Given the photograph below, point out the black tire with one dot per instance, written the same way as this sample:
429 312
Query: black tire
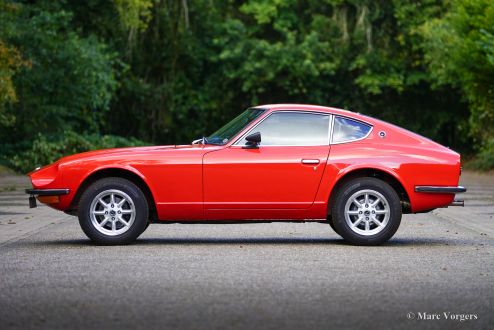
331 223
387 211
146 227
134 202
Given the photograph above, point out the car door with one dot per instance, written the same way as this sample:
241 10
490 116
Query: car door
283 173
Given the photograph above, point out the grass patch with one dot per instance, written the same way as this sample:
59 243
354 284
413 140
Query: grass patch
484 160
5 171
8 188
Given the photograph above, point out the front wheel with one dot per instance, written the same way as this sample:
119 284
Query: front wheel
113 211
366 211
331 223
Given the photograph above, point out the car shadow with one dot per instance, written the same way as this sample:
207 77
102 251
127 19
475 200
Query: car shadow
240 240
396 242
393 243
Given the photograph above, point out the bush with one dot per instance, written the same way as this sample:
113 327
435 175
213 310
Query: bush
47 149
484 160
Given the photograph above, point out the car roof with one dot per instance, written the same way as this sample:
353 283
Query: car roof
346 113
319 108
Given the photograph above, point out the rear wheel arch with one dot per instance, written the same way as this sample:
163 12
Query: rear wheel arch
366 211
118 173
372 173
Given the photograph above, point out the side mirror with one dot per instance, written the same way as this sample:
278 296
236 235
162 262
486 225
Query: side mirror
253 141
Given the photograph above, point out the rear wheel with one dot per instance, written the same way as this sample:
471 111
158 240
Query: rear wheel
366 211
113 211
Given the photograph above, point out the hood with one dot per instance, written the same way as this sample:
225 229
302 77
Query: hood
123 152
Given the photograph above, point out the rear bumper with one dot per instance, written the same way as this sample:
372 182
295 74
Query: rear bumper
440 189
48 192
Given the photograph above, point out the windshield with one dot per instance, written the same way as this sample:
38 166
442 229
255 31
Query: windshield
224 134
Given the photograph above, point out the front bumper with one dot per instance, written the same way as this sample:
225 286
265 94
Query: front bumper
440 189
45 192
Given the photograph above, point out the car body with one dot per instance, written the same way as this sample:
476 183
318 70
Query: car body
294 175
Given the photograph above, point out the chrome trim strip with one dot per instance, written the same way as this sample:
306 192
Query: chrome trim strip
331 128
440 189
285 145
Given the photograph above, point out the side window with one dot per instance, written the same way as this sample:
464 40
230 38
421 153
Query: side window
293 129
346 130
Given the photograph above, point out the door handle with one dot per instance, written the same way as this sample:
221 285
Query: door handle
310 161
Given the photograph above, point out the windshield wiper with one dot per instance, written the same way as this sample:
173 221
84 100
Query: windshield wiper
203 141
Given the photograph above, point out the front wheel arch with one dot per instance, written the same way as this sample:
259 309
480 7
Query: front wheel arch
118 173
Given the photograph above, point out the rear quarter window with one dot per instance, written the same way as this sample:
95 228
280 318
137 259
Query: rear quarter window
347 130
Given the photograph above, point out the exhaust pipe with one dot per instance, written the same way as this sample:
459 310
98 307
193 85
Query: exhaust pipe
457 202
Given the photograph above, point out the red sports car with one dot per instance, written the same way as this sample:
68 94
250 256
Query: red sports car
283 162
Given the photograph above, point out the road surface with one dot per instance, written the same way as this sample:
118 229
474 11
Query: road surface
437 272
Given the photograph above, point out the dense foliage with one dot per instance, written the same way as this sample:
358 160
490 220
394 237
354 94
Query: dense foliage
461 54
46 149
169 71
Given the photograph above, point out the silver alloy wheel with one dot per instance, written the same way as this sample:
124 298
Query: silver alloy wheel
112 212
367 212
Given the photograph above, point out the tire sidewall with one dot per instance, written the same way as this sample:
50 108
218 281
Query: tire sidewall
338 211
330 221
138 199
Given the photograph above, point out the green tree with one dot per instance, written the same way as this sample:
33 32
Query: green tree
170 71
11 62
191 65
460 52
362 55
70 82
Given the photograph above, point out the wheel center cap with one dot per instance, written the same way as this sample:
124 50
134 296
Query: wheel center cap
366 212
112 212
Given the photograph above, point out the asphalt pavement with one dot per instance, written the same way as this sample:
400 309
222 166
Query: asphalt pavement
437 272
